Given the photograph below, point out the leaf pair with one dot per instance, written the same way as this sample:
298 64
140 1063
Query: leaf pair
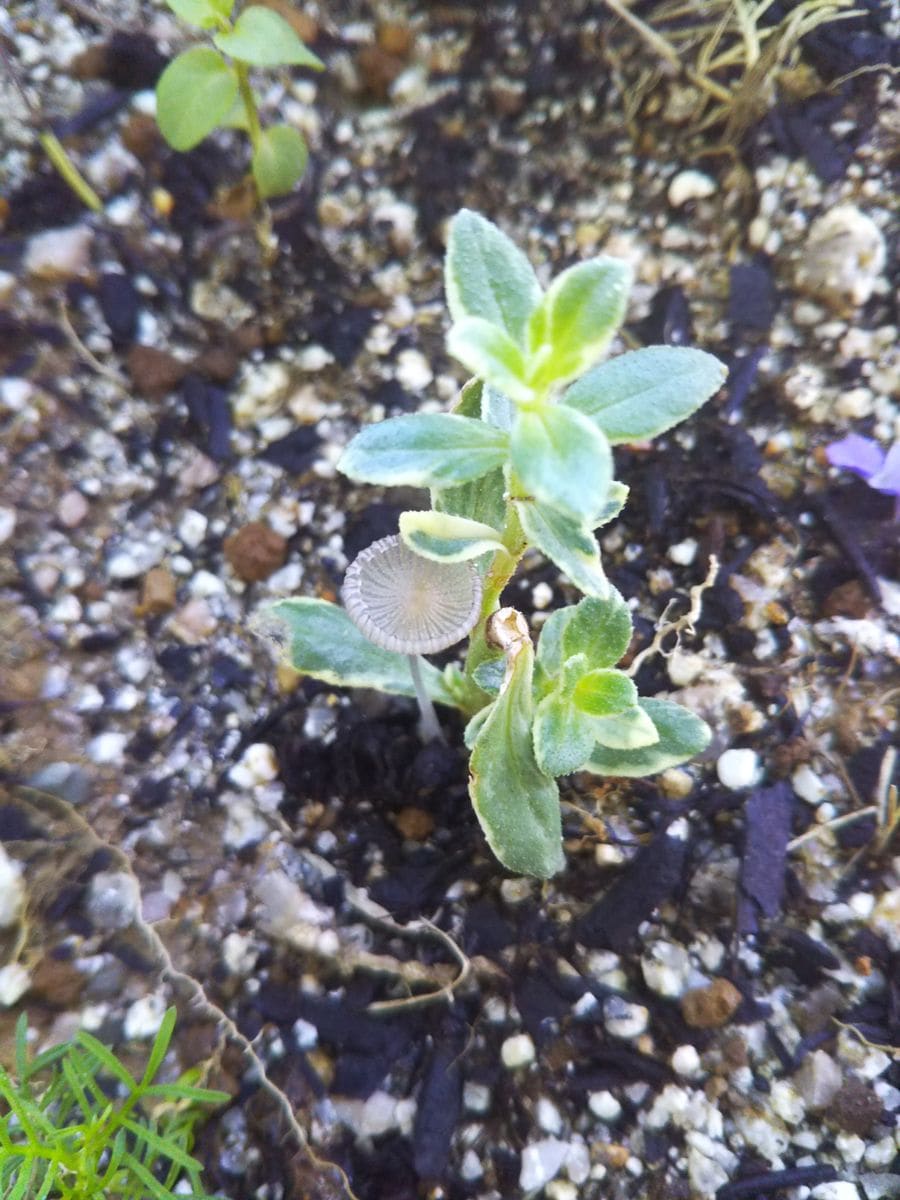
200 91
507 330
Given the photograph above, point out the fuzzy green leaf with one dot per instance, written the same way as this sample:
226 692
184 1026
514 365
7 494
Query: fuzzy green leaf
515 802
194 94
550 643
424 450
604 693
446 538
492 354
487 275
562 462
616 499
490 674
278 160
599 629
628 730
481 499
563 736
498 410
583 308
320 640
681 736
645 392
263 38
567 543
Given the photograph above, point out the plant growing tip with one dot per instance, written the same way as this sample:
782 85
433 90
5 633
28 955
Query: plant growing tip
524 461
413 606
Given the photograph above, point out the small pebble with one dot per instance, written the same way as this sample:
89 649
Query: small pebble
541 1161
14 983
72 509
686 1061
818 1080
690 185
157 592
517 1051
113 900
623 1019
59 254
255 552
711 1007
7 524
12 891
192 528
604 1106
144 1017
107 749
844 255
738 769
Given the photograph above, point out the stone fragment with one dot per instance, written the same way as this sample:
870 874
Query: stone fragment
72 509
855 1108
711 1007
7 524
60 254
818 1080
12 891
154 372
57 983
690 185
194 622
255 552
517 1051
738 768
414 823
157 593
14 983
842 259
114 900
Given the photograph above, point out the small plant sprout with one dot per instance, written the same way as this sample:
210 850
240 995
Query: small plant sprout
78 1125
206 87
410 604
523 462
864 457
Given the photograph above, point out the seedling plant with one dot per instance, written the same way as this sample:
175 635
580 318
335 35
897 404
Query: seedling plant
207 87
76 1125
524 461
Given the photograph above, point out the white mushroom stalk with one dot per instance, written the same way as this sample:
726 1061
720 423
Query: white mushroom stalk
409 604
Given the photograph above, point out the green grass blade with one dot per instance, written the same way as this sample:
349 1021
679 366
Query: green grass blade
48 1181
153 1186
159 1048
22 1046
182 1091
161 1147
106 1057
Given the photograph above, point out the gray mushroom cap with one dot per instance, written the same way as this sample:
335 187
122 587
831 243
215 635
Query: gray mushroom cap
407 603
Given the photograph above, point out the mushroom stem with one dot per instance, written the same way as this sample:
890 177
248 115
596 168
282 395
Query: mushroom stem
429 729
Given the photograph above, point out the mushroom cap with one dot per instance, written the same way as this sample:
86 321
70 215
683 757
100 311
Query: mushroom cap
407 603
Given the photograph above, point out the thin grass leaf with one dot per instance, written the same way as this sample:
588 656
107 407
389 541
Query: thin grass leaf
183 1091
22 1046
46 1059
160 1046
117 1152
23 1183
153 1186
160 1146
106 1057
76 1086
48 1181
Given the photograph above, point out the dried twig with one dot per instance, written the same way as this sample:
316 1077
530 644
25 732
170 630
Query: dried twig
665 628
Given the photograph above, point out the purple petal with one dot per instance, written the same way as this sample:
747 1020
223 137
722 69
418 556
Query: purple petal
855 453
888 478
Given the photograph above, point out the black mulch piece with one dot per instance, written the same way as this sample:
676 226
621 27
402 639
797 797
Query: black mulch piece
295 452
120 305
775 1181
132 61
439 1099
669 320
767 830
653 876
752 298
210 413
101 106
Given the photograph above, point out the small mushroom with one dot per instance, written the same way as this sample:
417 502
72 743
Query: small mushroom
412 605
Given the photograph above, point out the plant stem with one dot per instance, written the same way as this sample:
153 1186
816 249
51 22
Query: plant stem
55 151
254 129
503 567
429 727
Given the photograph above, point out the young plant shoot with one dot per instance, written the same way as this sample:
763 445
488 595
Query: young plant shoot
206 87
523 461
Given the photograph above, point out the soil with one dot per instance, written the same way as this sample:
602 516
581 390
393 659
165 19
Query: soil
706 1002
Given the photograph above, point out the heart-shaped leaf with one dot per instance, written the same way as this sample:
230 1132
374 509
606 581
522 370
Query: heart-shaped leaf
278 160
263 38
194 94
